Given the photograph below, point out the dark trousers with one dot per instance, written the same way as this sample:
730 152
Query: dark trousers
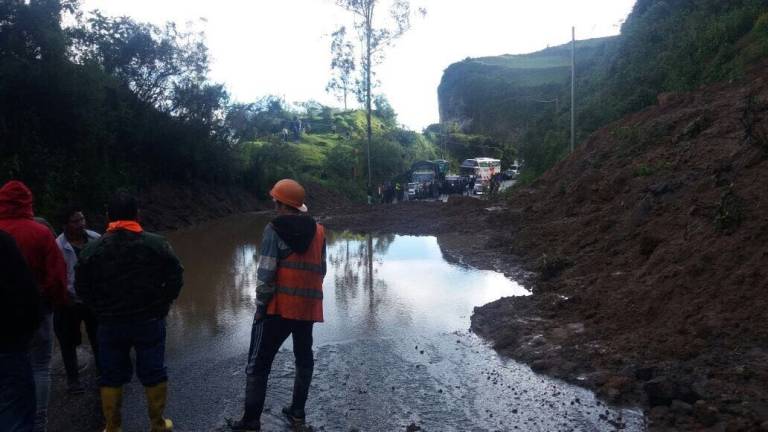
267 336
66 324
17 393
147 338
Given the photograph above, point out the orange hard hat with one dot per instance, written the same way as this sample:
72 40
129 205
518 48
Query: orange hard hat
289 192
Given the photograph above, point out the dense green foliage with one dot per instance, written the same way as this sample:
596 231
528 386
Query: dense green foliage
109 102
664 46
332 151
79 115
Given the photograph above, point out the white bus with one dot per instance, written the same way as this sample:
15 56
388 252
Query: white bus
482 168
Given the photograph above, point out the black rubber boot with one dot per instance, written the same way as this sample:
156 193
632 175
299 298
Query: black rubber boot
293 418
301 382
243 426
255 393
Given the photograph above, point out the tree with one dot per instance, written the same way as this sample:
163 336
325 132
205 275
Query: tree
373 40
384 110
151 60
342 66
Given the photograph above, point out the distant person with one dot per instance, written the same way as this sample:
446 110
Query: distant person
38 246
296 128
289 300
284 134
68 319
19 320
129 278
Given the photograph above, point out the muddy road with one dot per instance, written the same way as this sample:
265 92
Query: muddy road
395 351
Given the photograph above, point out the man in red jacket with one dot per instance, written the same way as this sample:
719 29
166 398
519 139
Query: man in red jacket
46 263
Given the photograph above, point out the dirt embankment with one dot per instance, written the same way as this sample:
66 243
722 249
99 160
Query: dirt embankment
166 207
650 251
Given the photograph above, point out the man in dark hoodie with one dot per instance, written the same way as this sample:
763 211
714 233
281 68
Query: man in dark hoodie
46 263
289 300
19 319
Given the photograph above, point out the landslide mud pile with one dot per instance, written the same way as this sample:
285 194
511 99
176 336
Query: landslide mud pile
173 206
651 247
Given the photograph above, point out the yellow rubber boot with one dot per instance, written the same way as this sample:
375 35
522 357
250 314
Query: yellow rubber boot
156 396
111 403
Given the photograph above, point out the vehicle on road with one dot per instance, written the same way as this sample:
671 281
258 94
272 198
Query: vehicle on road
480 187
453 184
511 173
430 176
413 189
481 168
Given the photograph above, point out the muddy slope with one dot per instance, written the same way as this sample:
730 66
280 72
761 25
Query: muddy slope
649 253
652 247
166 206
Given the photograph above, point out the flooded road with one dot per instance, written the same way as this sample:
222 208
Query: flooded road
394 349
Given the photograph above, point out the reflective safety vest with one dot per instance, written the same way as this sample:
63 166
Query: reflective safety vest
299 283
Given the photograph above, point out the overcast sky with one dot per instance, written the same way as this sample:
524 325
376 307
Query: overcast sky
281 47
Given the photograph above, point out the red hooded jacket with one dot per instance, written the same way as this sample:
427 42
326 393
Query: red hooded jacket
35 241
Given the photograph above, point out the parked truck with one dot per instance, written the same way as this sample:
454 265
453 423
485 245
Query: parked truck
429 176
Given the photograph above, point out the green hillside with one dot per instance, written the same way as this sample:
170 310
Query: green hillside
496 95
664 46
332 151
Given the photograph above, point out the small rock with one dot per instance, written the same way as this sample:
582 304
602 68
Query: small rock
681 407
660 391
645 373
412 428
542 365
705 414
659 413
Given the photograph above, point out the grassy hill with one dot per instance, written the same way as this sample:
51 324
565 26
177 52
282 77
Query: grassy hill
332 153
498 95
665 46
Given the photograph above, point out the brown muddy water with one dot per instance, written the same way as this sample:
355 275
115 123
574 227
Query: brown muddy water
395 349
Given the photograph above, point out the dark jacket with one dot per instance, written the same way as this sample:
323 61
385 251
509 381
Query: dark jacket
19 298
35 241
128 277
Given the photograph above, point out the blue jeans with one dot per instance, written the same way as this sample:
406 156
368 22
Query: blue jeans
40 354
17 393
147 338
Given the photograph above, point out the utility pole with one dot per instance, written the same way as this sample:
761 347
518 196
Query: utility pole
573 87
368 66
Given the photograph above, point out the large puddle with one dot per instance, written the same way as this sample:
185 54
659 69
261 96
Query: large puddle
394 349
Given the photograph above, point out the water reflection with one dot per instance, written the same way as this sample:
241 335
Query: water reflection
219 295
383 285
376 286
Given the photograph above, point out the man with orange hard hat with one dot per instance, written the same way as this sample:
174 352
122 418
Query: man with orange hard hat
289 300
